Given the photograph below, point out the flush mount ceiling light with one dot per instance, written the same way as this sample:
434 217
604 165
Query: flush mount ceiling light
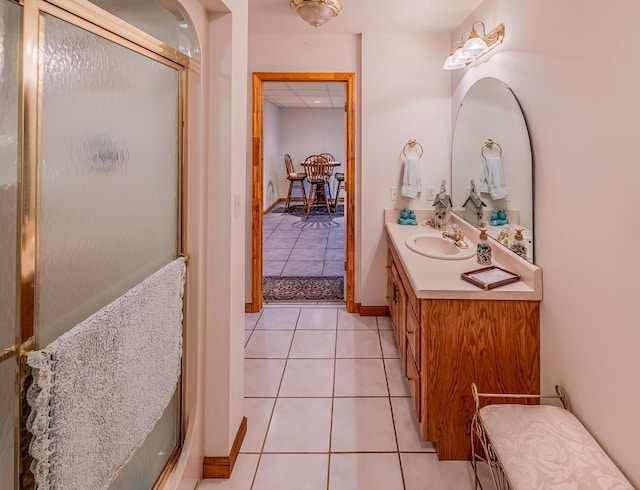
471 46
316 12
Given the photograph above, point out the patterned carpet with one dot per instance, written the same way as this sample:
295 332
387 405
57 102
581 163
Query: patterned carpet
300 288
300 210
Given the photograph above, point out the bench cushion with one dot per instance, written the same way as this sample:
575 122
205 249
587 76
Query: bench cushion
543 447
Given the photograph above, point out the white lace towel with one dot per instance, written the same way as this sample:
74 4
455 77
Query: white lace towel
100 388
411 179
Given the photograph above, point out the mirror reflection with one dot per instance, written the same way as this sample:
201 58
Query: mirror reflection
492 167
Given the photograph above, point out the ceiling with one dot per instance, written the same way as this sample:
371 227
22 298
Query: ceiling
313 95
358 16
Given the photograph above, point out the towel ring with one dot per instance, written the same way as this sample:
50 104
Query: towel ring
488 143
412 143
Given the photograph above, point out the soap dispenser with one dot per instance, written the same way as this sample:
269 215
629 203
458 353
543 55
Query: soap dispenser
518 245
484 249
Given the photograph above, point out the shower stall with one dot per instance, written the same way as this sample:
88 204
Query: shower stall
91 193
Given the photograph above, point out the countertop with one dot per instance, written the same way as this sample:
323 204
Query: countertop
440 279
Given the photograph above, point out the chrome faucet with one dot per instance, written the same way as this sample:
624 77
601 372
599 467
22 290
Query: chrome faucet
456 235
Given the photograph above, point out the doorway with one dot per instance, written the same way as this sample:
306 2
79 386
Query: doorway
258 170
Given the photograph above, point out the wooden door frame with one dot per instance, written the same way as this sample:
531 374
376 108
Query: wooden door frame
257 176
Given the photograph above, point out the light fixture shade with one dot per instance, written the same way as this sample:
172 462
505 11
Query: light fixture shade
316 12
451 64
460 57
474 46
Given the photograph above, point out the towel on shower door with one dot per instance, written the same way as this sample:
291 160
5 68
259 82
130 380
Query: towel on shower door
411 179
100 388
492 181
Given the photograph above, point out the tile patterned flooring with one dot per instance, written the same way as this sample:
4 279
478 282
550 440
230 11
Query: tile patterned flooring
295 246
328 408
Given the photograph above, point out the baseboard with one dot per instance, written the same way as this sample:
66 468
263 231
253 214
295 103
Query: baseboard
374 310
270 208
221 467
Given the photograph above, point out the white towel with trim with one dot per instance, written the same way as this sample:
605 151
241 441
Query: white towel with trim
99 389
411 179
492 181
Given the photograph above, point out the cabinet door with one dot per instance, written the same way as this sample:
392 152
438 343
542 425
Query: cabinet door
401 316
413 377
413 335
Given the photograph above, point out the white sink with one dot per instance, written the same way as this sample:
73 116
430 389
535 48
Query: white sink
438 247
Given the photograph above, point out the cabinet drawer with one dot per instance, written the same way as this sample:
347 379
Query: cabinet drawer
413 334
413 378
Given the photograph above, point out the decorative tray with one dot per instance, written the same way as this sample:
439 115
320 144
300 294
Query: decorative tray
490 277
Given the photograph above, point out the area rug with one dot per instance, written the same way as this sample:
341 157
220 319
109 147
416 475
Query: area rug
300 288
302 211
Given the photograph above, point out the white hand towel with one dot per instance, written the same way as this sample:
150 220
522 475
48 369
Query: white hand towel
411 179
497 189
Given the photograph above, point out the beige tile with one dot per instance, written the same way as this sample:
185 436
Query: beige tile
318 319
396 378
250 320
349 321
389 344
407 426
360 377
362 424
308 378
358 344
277 318
268 344
241 477
258 413
425 472
365 472
292 472
384 323
313 344
300 425
262 377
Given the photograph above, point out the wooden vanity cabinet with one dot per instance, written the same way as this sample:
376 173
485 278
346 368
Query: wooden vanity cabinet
451 343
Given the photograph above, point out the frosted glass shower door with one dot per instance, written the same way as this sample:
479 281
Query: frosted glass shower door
108 191
10 22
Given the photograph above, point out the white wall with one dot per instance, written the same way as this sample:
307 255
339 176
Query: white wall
405 94
214 370
581 107
300 132
273 170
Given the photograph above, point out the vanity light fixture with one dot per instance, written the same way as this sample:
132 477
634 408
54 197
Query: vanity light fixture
316 12
468 50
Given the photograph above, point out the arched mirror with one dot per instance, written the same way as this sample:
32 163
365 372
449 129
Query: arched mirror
491 148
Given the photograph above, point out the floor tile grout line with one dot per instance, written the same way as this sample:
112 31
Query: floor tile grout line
393 419
333 398
273 409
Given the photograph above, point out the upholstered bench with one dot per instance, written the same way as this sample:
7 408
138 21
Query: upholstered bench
539 447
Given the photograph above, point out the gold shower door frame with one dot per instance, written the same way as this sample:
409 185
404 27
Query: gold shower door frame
97 21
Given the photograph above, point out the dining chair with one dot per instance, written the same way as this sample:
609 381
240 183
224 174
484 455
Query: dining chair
315 168
340 178
293 177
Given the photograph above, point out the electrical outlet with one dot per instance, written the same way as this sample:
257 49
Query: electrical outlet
431 193
394 193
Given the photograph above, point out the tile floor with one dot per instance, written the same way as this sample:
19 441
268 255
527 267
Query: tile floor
295 246
328 408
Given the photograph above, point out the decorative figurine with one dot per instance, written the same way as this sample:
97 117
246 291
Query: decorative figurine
473 206
442 205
